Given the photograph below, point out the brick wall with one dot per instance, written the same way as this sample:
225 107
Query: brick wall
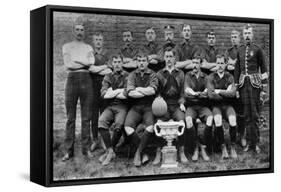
112 27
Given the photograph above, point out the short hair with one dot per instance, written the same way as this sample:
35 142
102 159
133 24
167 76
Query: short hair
218 56
115 56
185 25
198 56
141 54
210 33
169 49
127 30
152 28
77 23
235 32
98 34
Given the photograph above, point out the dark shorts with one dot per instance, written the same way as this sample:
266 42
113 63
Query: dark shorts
198 111
224 110
139 113
174 113
114 113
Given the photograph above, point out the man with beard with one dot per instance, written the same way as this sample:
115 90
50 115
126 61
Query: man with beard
232 58
99 69
169 42
141 87
221 88
129 52
171 88
151 48
195 87
78 57
114 92
209 53
186 50
251 79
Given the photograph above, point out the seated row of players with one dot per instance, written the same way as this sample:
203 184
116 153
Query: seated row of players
187 97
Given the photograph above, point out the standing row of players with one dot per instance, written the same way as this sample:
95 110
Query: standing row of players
192 80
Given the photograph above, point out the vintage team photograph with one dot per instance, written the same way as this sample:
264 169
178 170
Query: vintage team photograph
147 96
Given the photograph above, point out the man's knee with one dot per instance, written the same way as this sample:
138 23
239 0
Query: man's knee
129 130
232 120
218 120
189 122
209 121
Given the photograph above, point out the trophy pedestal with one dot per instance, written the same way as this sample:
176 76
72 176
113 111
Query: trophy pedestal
169 157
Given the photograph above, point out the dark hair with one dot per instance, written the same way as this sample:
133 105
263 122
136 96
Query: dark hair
127 30
168 49
222 56
141 54
115 56
152 28
210 33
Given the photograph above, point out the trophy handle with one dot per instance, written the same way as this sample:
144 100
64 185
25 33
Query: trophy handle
182 130
156 131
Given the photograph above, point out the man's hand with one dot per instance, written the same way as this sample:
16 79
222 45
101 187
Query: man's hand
217 91
237 95
263 96
202 94
182 107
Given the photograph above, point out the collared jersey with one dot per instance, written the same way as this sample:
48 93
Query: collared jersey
186 51
151 48
146 79
171 85
197 84
115 80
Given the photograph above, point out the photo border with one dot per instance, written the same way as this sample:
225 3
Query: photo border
50 9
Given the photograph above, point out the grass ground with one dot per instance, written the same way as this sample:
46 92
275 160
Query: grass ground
80 168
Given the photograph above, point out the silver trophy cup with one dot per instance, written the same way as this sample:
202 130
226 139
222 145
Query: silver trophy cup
169 131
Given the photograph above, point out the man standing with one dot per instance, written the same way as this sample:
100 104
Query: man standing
78 57
169 42
232 51
209 53
251 79
151 48
195 87
232 58
99 69
129 52
141 87
114 92
186 50
171 88
221 88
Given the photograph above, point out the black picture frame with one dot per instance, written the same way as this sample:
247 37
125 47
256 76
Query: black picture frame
41 94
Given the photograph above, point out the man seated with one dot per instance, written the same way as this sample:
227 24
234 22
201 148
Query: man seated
114 92
221 88
195 87
171 83
141 87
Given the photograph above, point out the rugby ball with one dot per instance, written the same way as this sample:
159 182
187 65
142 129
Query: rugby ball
159 107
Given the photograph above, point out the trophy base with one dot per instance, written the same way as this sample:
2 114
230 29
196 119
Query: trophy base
169 157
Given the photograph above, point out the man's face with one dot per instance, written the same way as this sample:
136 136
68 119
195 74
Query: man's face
169 36
186 32
221 64
197 64
117 63
248 35
142 62
169 58
78 32
127 37
98 41
150 35
235 39
211 40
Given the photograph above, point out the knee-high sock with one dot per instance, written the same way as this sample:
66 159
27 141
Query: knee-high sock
117 133
232 132
106 137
